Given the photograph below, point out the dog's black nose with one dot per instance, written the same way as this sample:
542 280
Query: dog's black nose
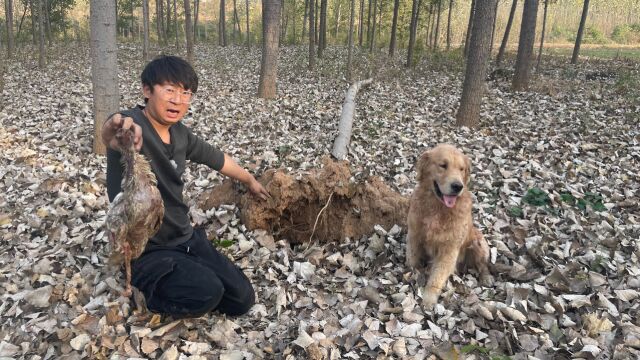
456 187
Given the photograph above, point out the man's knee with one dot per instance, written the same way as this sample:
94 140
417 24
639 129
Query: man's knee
245 299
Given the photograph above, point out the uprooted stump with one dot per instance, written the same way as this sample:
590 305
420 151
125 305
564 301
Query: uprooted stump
321 204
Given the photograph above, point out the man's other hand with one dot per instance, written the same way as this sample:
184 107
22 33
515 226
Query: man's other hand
115 122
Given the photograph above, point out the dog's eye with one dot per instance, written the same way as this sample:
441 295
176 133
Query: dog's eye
444 166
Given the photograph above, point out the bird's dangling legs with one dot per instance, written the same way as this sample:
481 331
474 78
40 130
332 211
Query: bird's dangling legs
126 249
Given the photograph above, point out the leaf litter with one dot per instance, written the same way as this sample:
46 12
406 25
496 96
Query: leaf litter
555 176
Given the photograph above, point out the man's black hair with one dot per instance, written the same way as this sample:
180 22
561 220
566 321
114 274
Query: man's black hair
169 69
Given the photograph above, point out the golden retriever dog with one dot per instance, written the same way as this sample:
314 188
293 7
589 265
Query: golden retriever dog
440 226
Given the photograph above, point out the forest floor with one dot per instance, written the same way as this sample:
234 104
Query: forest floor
555 180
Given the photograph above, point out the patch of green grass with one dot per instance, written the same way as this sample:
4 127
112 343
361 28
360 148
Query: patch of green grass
591 200
537 197
222 243
601 52
465 349
515 211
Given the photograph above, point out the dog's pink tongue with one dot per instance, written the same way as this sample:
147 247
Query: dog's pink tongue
449 201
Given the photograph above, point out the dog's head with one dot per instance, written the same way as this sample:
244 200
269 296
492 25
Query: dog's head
446 171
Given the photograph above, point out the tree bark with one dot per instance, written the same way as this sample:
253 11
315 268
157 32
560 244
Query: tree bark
248 32
477 61
369 22
33 22
437 35
493 28
175 23
188 30
47 21
412 31
337 20
8 8
361 23
145 30
449 25
42 52
469 28
525 46
323 28
270 35
304 20
167 29
236 23
544 28
104 66
349 54
345 125
312 36
394 25
505 38
222 28
583 20
196 15
373 30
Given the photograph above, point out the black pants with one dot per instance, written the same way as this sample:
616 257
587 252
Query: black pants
191 279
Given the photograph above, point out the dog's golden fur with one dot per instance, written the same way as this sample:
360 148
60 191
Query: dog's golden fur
440 226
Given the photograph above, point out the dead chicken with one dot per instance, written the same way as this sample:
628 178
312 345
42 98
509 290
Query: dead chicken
136 213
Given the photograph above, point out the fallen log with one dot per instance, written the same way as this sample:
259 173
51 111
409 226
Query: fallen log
346 120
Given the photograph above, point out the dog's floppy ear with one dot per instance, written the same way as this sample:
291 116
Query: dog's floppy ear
467 169
423 165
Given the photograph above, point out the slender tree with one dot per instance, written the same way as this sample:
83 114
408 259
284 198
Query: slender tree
412 31
361 23
493 27
507 30
104 66
449 25
323 28
477 62
270 32
312 36
336 23
168 27
369 22
351 23
175 23
42 53
469 27
196 16
222 28
145 30
188 30
583 20
437 35
373 30
248 33
304 20
544 28
8 8
525 45
394 25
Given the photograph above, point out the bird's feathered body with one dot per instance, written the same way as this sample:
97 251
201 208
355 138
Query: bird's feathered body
136 213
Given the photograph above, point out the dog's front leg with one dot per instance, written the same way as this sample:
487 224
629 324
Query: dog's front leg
442 268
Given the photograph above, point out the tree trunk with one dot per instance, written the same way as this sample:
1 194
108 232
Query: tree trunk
505 38
270 34
583 20
295 20
248 32
373 30
47 21
175 23
361 22
236 19
188 30
428 26
477 62
315 24
435 39
469 28
525 45
33 22
544 27
222 25
449 25
168 27
369 22
349 53
304 20
159 21
312 36
322 43
8 8
42 52
412 31
104 66
337 20
341 142
196 15
145 30
394 25
493 28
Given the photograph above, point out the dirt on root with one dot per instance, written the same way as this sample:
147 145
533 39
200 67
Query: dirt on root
320 204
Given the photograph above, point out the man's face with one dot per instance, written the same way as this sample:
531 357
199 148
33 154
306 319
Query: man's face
168 103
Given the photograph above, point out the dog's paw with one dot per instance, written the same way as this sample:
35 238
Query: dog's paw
429 300
487 280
